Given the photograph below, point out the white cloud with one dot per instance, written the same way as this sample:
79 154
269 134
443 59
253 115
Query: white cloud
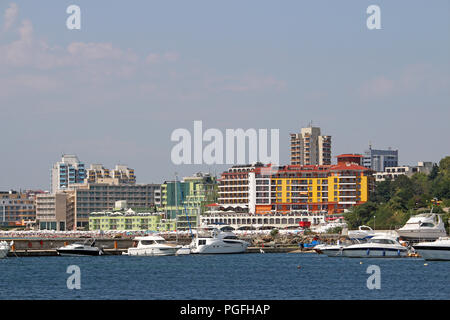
10 16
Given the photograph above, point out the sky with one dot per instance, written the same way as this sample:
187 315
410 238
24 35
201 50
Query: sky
115 90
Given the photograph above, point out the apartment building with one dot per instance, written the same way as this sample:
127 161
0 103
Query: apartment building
121 174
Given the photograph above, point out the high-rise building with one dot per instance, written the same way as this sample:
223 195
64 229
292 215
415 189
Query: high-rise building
261 189
67 172
378 160
309 147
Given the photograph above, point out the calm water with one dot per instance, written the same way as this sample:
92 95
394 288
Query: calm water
244 276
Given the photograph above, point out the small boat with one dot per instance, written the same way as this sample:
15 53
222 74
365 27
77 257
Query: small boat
152 246
436 250
86 248
218 242
5 248
379 246
331 250
428 226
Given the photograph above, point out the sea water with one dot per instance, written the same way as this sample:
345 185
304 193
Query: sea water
238 276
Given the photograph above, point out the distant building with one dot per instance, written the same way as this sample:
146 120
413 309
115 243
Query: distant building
121 174
378 160
16 208
309 147
393 172
185 200
67 172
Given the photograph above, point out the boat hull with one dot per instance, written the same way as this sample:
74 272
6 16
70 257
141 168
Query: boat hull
221 248
73 252
434 252
151 252
421 235
373 252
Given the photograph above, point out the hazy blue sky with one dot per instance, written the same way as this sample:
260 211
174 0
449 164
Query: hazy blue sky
116 89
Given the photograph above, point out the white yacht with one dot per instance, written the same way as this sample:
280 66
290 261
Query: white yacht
379 246
427 226
218 242
436 250
363 233
86 248
5 248
152 246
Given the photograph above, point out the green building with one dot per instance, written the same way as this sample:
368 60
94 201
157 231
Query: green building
185 200
136 220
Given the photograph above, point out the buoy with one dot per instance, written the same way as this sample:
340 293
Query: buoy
360 262
299 266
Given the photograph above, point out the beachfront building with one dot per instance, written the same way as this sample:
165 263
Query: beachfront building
121 174
266 189
309 147
55 211
16 208
393 172
185 200
66 173
378 160
102 197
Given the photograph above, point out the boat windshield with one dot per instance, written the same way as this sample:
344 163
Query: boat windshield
382 241
148 242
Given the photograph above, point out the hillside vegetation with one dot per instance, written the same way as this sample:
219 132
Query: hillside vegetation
393 202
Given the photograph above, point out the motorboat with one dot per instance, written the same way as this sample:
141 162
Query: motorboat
5 248
379 246
363 233
218 242
435 250
86 248
152 246
331 250
427 226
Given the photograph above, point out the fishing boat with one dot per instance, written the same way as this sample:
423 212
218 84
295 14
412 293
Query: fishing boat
5 248
152 246
436 250
379 246
86 248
